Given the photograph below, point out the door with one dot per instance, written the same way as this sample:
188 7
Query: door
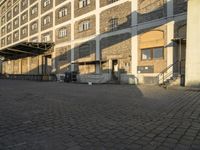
115 70
47 65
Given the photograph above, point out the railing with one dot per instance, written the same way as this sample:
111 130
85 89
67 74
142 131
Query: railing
166 73
28 77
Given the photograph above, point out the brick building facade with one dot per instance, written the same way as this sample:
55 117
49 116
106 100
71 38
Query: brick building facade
126 40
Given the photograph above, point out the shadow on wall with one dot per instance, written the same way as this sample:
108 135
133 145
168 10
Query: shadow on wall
85 53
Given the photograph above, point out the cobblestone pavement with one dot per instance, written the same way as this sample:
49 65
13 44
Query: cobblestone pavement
59 116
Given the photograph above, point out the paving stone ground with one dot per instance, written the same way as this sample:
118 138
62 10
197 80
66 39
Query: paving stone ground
60 116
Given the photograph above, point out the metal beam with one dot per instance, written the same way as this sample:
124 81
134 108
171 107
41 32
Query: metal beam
8 53
30 46
16 50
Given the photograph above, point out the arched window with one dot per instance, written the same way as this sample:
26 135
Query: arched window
9 3
47 20
24 31
112 1
24 2
62 12
46 3
3 19
62 33
34 10
3 9
16 8
83 26
34 26
83 3
16 35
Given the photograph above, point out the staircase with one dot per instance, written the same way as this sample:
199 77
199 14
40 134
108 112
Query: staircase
175 80
168 77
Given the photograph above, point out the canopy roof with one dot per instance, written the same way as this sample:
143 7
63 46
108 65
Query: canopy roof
25 49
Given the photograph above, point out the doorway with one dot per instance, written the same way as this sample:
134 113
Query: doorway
47 65
115 70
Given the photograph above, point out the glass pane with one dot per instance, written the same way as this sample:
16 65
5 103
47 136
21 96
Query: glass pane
146 54
158 53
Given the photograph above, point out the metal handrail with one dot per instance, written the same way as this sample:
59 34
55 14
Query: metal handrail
166 69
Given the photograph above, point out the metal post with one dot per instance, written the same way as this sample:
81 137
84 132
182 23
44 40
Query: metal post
163 77
179 59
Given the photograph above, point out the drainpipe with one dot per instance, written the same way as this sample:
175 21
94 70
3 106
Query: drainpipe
179 59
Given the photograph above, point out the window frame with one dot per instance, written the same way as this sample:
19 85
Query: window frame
34 26
152 53
162 53
62 33
112 1
24 16
46 37
34 10
84 3
62 12
46 3
24 31
46 20
84 26
16 35
16 22
9 3
113 23
24 2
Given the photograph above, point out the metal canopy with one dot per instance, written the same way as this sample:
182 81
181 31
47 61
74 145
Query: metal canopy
25 49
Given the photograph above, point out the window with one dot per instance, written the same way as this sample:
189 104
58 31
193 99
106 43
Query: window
85 25
24 16
83 3
3 9
3 31
16 9
153 53
34 26
47 20
24 2
16 22
34 40
158 53
9 3
62 12
16 35
34 10
9 27
112 1
146 54
46 3
24 30
62 33
3 20
3 42
9 38
9 15
113 24
46 38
